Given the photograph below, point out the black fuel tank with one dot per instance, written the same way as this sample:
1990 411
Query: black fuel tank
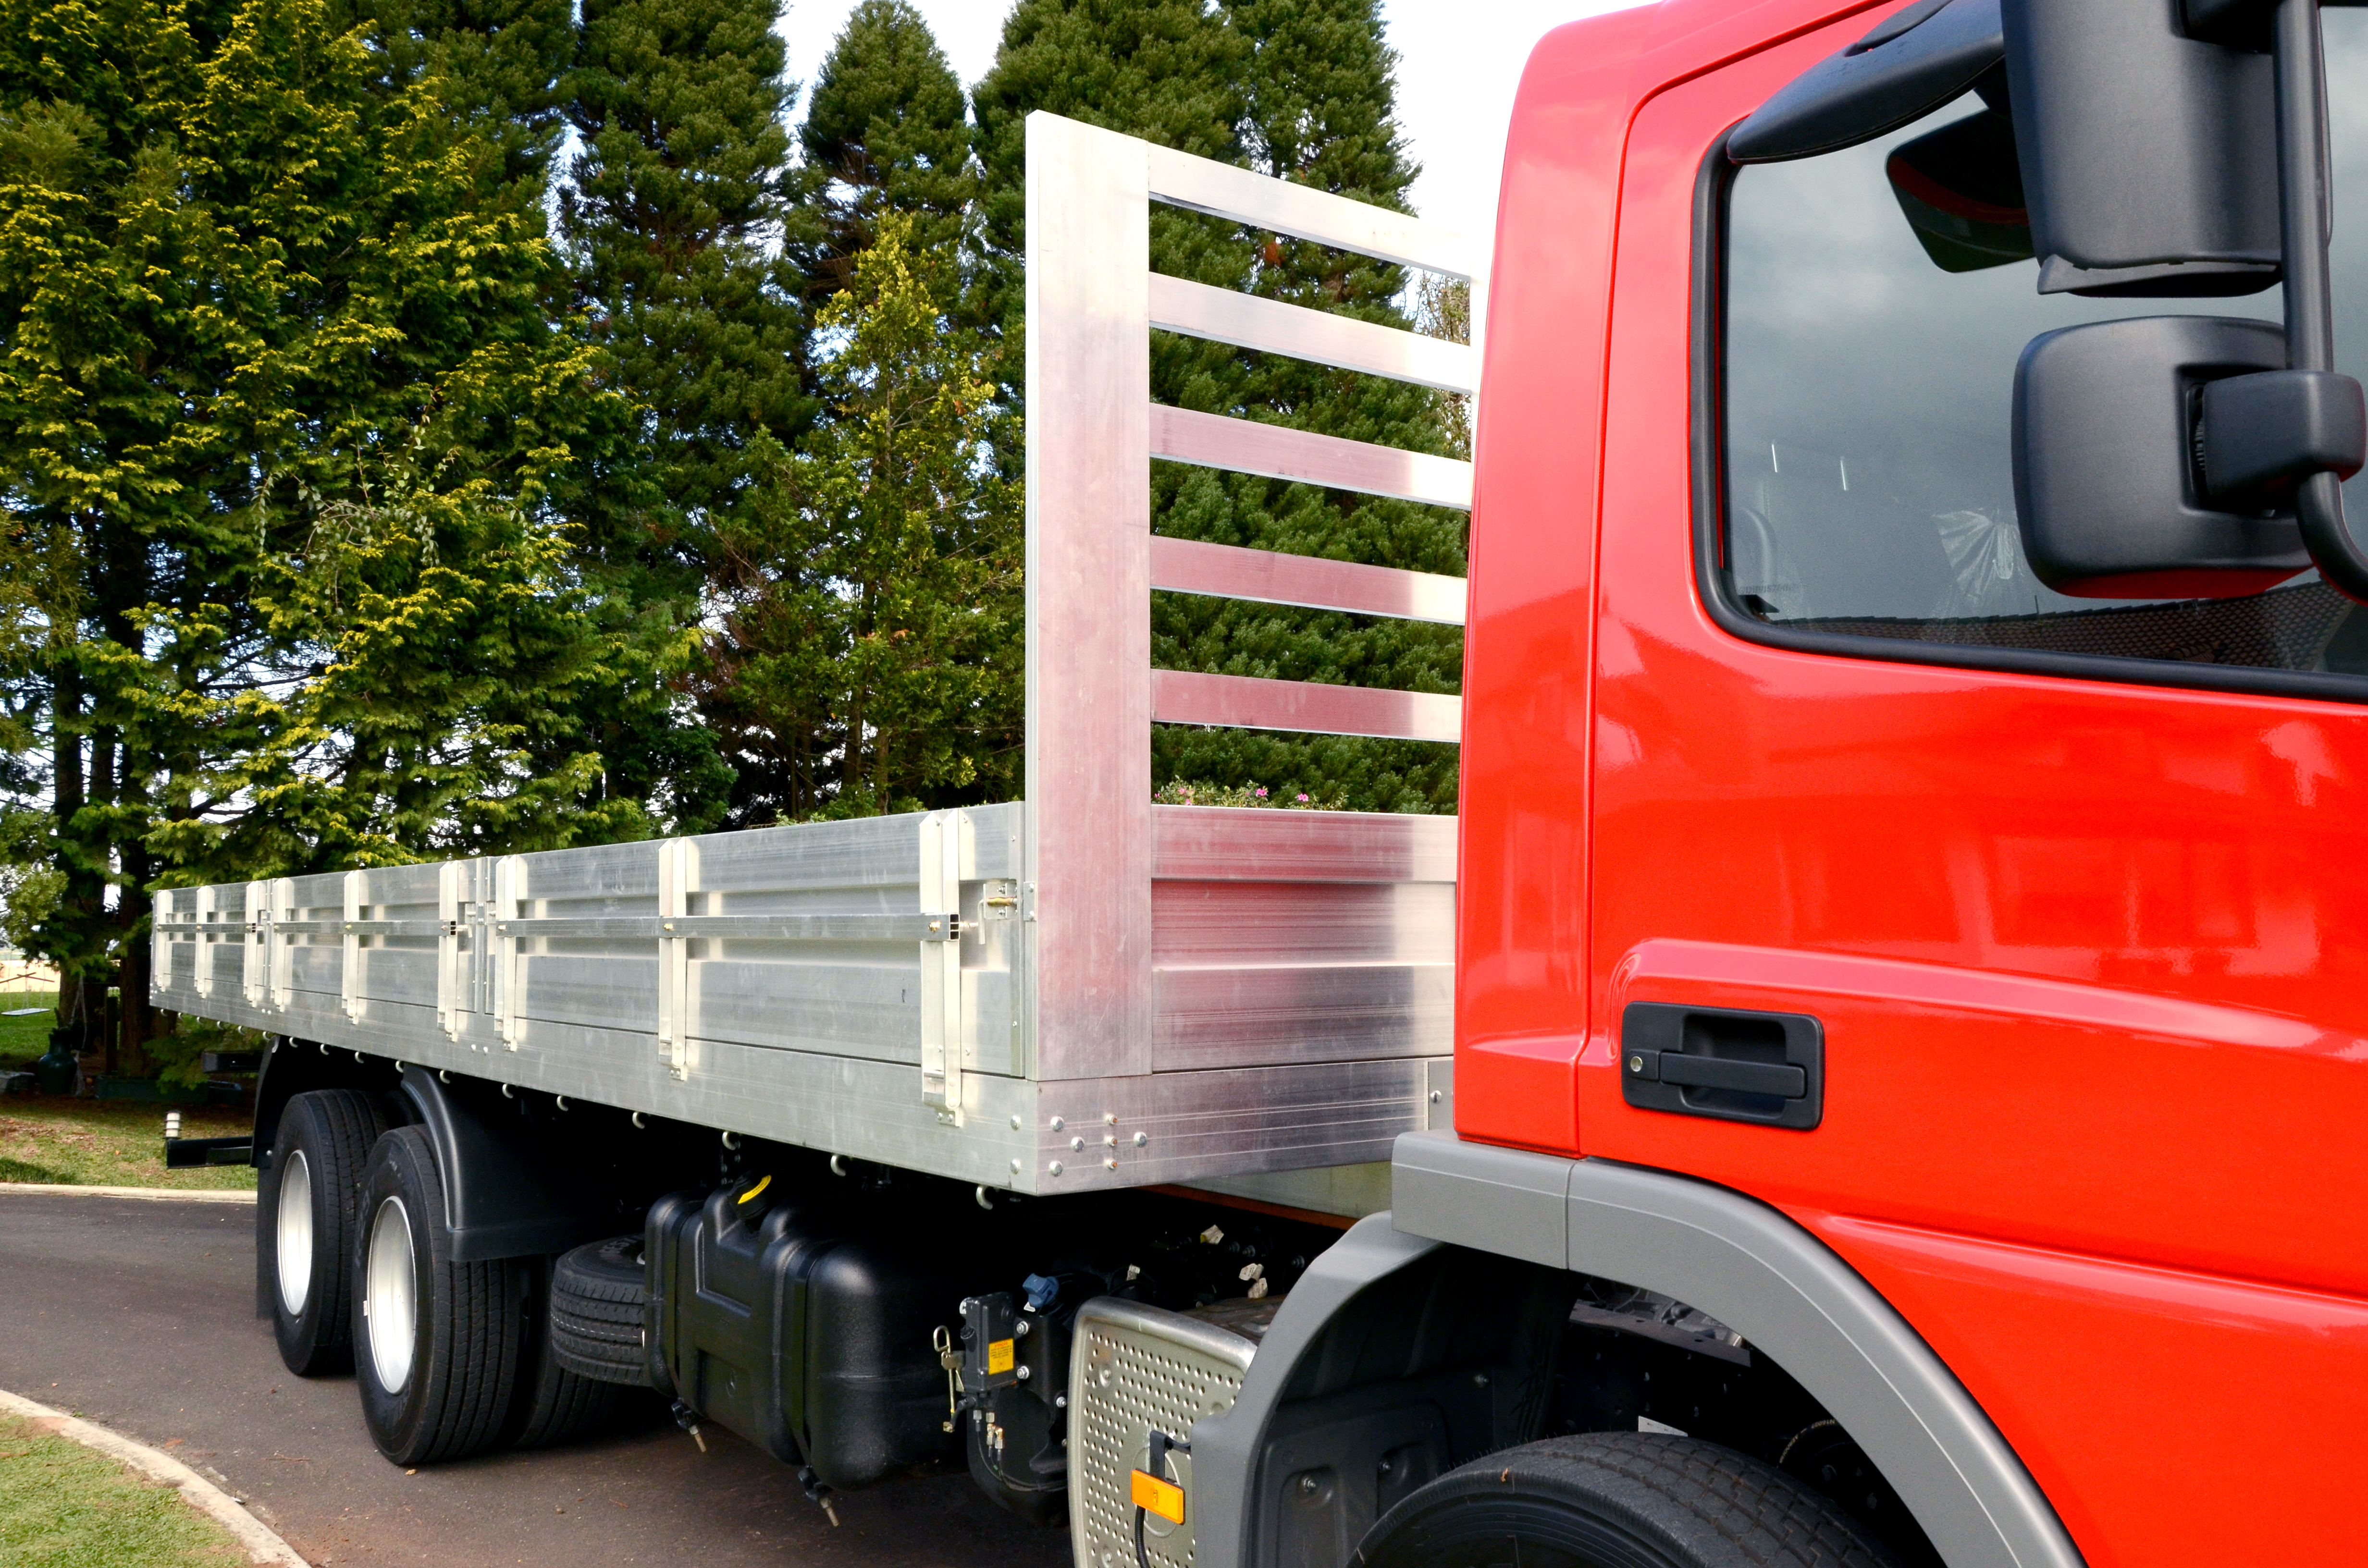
809 1341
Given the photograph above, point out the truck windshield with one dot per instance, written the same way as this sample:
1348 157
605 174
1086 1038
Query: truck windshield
1869 350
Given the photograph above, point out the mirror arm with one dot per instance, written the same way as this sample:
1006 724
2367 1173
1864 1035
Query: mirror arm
2302 208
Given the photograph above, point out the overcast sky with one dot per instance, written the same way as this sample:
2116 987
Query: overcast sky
1459 61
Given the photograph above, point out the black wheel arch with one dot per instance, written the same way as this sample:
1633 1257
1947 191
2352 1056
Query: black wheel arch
291 1067
512 1186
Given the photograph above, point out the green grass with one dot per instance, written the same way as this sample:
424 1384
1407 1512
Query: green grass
21 1040
63 1506
109 1143
83 1143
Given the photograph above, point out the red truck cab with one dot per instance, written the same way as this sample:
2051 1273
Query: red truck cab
1767 714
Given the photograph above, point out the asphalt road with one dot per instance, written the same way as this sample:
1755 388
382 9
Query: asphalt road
139 1315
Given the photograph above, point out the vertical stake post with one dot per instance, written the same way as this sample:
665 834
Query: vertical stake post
1087 866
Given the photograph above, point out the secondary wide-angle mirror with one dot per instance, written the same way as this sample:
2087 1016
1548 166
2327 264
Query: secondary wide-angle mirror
2113 503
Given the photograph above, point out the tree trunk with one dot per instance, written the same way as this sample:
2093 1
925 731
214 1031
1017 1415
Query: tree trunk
136 1019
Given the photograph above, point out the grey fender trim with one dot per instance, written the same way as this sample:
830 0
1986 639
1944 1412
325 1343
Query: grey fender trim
1225 1446
1785 1291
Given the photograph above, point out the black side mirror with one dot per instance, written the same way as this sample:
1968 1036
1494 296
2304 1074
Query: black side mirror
2149 135
2112 503
2149 156
2159 458
2157 150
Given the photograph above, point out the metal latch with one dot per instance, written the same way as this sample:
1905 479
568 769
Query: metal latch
951 1357
948 856
992 1329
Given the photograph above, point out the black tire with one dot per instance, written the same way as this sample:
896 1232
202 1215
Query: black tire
304 1220
437 1345
599 1300
1619 1500
556 1405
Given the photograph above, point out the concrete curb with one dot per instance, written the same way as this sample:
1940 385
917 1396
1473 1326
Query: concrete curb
156 1194
262 1544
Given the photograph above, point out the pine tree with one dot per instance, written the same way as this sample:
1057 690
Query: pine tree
879 600
1168 71
497 65
245 254
682 230
675 214
886 130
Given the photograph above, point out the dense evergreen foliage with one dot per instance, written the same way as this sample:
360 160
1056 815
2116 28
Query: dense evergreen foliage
887 130
674 215
351 517
875 602
281 389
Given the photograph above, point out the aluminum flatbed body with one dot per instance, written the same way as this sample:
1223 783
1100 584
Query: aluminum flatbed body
1079 990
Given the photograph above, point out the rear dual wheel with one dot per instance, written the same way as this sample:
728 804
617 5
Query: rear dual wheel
557 1403
452 1357
305 1220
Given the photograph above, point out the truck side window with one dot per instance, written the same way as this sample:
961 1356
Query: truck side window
1871 321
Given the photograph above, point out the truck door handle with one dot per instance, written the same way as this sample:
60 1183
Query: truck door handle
1725 1062
1713 1073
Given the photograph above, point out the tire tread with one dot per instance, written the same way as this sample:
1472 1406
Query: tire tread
599 1302
472 1326
1711 1506
338 1129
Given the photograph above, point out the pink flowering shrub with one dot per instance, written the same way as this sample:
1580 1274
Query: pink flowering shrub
1178 793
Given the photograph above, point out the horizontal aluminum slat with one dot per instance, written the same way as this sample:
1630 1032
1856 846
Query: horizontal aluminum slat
1292 1012
1181 180
1229 572
1271 451
1228 843
1223 315
1247 702
308 927
749 927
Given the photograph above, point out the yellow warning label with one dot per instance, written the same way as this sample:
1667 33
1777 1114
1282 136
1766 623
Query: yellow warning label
999 1355
1154 1496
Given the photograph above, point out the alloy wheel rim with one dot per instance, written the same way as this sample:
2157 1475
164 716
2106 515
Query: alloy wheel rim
389 1303
295 1220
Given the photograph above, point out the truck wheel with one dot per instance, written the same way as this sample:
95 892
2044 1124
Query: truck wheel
555 1404
437 1344
599 1295
305 1219
1619 1500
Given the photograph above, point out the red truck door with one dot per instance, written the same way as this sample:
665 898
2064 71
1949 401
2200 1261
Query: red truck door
2066 891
